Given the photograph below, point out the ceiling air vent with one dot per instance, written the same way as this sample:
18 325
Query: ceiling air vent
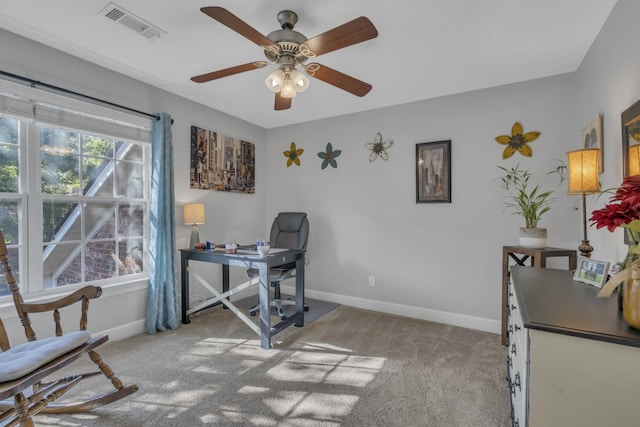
131 21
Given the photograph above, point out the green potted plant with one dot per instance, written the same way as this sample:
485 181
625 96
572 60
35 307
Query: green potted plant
530 201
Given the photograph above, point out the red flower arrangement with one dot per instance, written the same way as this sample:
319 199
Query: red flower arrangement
623 207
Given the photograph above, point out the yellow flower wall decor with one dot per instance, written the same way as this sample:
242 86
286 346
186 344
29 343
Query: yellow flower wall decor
293 155
517 141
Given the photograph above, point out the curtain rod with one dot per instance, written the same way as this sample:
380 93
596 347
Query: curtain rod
35 83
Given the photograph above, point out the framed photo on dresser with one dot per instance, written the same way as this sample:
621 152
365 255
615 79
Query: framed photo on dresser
591 271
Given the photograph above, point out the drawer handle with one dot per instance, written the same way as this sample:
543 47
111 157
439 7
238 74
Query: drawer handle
509 362
516 327
513 307
517 381
513 349
510 329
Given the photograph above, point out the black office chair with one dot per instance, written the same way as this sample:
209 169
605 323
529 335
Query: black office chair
290 230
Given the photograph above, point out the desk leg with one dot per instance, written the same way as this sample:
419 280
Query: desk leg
300 291
184 282
265 309
225 282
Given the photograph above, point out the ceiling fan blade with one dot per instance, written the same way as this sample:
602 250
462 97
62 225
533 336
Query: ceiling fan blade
227 18
353 32
282 103
338 79
229 71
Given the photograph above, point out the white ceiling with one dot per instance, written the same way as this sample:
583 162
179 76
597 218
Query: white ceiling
425 48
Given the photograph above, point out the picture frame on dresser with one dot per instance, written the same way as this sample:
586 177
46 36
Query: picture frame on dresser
591 271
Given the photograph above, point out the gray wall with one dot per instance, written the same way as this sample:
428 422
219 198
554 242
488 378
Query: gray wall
608 82
433 261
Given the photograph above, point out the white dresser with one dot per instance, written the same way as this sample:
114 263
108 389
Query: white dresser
572 359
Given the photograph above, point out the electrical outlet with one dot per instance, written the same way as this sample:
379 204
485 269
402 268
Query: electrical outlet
372 280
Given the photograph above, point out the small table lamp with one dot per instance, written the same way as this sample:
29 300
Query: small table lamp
194 215
583 180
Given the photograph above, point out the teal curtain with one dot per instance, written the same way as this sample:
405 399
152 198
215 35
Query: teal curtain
162 309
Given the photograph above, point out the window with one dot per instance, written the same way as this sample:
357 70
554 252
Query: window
74 192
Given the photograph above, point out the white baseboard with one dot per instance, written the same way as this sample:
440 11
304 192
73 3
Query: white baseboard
127 330
455 319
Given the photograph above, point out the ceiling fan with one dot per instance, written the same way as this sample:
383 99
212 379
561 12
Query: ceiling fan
290 50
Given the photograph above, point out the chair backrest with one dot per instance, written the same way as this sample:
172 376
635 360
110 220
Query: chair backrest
15 290
290 230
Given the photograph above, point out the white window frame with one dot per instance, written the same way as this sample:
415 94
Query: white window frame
34 108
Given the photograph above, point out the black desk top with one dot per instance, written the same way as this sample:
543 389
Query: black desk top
550 300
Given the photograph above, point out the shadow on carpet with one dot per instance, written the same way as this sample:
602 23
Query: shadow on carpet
317 308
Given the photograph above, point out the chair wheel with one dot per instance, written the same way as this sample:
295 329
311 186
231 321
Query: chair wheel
252 313
283 317
306 308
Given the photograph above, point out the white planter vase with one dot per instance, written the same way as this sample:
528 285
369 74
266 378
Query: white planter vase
532 237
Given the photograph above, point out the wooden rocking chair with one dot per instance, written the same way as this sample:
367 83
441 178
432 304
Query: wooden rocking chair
24 392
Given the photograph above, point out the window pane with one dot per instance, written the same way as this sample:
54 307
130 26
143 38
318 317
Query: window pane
99 260
14 261
9 131
9 221
60 142
97 146
98 173
60 174
130 151
61 265
99 220
131 257
60 221
9 156
131 219
129 180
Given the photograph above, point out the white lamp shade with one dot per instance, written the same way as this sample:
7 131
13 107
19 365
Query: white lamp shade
275 81
194 213
299 80
634 160
583 171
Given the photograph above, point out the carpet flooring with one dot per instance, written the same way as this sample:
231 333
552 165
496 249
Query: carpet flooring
350 367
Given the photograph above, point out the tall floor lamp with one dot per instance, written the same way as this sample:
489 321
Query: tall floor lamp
583 180
194 215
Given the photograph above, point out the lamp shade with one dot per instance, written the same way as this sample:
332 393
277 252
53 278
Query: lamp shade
275 81
634 160
194 213
583 171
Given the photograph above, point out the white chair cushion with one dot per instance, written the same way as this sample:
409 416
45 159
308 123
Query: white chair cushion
25 358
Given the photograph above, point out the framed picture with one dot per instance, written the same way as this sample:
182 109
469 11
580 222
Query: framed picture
592 138
433 172
591 271
631 140
221 162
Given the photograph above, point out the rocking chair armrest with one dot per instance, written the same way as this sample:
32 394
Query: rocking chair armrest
87 292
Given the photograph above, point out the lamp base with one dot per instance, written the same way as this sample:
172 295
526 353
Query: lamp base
585 249
195 237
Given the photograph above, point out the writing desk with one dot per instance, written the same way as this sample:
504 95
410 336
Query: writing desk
245 259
